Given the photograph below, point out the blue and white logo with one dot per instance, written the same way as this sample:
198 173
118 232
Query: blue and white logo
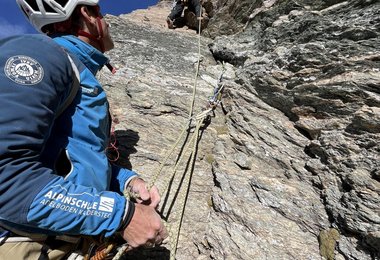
106 204
24 70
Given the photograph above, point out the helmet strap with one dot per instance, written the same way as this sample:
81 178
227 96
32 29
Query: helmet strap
99 38
100 33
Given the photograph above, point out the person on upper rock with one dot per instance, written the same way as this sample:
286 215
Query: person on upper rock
192 14
59 192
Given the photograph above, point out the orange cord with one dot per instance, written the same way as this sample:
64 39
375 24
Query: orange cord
102 254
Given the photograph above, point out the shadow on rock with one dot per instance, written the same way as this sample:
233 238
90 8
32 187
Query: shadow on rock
179 22
122 144
160 253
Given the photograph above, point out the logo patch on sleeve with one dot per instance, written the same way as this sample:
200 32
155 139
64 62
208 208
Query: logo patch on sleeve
106 204
24 70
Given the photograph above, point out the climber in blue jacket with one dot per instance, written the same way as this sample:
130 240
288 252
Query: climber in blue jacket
56 183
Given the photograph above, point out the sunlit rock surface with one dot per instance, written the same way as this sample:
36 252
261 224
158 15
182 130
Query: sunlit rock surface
288 166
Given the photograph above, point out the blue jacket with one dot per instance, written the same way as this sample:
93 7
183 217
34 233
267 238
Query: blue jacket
54 174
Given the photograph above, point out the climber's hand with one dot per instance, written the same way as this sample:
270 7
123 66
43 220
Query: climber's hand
145 228
139 187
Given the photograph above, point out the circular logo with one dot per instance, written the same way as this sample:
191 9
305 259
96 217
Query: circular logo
24 70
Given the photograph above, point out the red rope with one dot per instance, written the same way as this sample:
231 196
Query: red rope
112 146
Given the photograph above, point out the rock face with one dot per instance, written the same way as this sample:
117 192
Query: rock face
288 166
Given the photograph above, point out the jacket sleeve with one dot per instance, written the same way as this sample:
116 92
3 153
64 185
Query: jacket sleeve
33 85
120 178
73 209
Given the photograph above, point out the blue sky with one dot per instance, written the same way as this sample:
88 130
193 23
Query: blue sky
12 21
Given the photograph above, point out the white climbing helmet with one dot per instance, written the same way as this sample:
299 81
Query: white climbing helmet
43 12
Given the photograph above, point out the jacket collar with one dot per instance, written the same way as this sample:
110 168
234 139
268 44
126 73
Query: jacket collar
92 58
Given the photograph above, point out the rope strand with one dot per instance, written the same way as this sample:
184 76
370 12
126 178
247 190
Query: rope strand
174 231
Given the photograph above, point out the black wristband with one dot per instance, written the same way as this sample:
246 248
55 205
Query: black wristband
128 217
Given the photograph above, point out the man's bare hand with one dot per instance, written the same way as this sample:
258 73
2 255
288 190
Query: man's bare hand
150 198
145 227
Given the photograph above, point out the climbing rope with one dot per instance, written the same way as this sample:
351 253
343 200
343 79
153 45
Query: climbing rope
183 196
121 251
199 119
174 231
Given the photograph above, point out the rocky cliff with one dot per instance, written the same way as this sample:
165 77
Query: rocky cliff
288 165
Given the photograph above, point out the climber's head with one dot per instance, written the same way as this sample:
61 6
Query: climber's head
81 18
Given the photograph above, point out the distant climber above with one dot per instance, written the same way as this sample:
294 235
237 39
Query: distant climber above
193 13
